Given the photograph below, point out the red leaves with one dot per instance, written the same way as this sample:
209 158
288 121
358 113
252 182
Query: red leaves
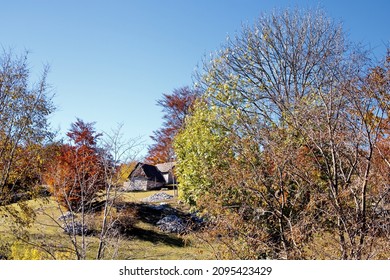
176 107
77 172
83 134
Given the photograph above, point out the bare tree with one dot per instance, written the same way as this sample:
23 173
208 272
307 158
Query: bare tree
118 151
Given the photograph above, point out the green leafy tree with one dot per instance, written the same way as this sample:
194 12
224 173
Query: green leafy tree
198 148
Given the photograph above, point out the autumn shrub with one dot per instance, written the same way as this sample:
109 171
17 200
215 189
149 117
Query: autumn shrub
125 220
21 251
78 171
121 220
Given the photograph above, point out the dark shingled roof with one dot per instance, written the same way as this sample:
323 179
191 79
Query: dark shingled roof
150 171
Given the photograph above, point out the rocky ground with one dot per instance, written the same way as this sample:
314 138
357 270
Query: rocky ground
160 196
154 210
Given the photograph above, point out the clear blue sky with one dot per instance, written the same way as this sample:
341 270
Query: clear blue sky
111 60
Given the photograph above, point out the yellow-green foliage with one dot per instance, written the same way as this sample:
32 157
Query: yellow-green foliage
124 172
200 147
20 251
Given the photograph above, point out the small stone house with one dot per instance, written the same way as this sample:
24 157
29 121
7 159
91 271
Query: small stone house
166 170
146 177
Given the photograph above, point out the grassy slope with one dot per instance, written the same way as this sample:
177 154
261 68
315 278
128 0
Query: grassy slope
145 242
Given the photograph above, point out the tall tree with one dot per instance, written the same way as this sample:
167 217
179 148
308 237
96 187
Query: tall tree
77 173
24 109
175 107
291 95
75 177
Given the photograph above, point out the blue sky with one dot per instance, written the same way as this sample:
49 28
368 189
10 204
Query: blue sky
111 60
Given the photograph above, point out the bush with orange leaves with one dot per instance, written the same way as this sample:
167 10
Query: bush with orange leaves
77 172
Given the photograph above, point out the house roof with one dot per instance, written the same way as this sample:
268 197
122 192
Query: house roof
147 170
165 167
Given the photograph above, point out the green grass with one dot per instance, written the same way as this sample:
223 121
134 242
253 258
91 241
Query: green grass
145 240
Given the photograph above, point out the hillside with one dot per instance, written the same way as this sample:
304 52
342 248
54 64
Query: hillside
143 240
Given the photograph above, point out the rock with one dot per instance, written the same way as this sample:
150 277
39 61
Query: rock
158 197
66 216
171 224
75 228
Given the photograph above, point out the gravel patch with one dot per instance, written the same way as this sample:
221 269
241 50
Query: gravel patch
171 224
75 228
158 197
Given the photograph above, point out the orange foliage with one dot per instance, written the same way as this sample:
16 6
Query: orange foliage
176 107
77 172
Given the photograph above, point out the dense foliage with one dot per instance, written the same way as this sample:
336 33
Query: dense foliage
289 142
77 173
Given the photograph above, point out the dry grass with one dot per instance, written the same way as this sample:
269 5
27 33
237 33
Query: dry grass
144 240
